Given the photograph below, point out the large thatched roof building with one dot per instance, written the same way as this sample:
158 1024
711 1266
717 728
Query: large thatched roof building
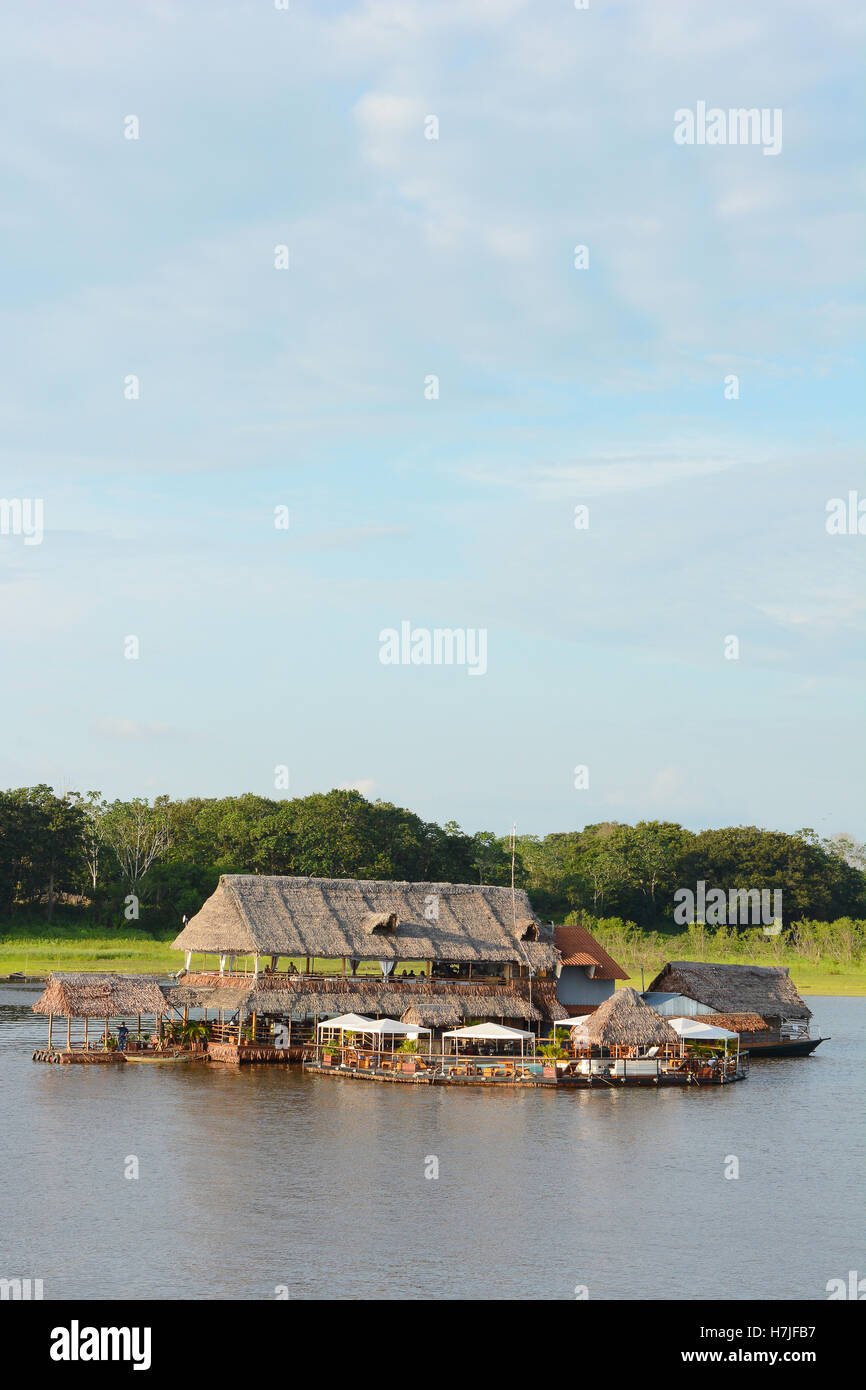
368 920
765 992
624 1020
90 995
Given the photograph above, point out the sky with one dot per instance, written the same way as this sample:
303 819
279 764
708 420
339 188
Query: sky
426 394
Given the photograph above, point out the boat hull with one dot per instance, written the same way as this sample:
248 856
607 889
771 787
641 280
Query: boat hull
800 1047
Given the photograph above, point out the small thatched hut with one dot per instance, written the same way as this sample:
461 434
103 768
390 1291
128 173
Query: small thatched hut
87 994
92 995
624 1020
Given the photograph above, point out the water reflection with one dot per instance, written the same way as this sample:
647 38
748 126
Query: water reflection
255 1177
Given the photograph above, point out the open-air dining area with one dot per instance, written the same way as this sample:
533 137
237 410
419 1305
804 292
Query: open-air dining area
625 1040
352 1044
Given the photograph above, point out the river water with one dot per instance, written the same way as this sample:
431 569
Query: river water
257 1179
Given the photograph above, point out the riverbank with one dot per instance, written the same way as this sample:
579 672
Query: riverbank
38 948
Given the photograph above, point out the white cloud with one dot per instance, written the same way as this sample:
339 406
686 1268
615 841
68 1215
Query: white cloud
130 730
365 785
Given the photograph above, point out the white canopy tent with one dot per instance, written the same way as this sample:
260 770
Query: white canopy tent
348 1023
394 1025
391 1027
692 1030
700 1032
489 1032
374 1028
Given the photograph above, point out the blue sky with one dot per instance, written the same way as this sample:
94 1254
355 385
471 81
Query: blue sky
557 387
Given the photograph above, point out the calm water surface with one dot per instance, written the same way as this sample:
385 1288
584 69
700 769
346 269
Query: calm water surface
257 1177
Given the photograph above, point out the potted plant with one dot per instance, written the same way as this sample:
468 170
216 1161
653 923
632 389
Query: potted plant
552 1053
409 1055
194 1036
331 1054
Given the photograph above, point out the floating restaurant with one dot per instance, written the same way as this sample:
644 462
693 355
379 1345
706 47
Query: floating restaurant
412 982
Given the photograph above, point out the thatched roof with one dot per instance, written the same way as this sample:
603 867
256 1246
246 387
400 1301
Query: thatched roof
92 995
197 995
738 1023
331 917
435 1013
626 1020
728 989
291 996
379 921
578 947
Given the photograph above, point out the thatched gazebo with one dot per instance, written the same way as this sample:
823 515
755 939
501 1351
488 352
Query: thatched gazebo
625 1021
87 995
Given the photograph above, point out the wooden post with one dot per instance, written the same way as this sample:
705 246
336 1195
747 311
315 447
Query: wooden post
69 1032
253 1025
85 1032
50 1028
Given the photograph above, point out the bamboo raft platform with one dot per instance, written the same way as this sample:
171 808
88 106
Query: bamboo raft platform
53 1054
97 1057
253 1053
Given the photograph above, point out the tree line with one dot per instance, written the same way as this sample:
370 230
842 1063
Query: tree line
152 862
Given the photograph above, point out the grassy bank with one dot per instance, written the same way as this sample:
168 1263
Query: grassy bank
823 957
808 978
38 948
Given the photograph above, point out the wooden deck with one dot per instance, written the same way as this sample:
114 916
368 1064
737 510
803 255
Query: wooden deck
434 1076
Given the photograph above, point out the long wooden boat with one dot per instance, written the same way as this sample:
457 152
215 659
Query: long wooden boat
785 1047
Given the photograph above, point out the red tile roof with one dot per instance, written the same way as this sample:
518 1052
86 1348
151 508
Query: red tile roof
579 948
